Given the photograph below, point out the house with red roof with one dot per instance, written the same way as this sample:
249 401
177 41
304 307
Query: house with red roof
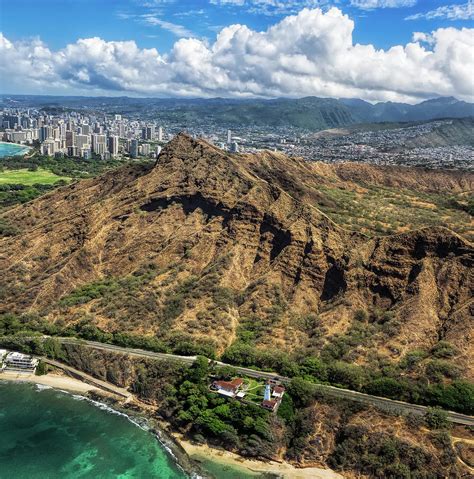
228 388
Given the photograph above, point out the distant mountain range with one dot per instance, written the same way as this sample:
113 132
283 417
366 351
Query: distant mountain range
309 113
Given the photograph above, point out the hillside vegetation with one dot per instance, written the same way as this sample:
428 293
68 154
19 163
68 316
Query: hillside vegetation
233 256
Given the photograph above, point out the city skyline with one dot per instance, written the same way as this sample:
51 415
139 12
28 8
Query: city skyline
377 50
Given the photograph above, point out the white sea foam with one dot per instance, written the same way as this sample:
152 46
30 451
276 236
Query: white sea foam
42 387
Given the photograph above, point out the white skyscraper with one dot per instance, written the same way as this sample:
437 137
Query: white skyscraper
145 149
160 133
98 144
229 136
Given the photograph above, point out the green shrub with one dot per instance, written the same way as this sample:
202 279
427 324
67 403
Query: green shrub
439 369
41 369
444 350
361 315
436 418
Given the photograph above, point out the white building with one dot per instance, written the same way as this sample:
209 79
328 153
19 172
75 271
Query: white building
20 362
48 147
145 149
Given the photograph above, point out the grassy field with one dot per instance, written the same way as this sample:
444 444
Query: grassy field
28 178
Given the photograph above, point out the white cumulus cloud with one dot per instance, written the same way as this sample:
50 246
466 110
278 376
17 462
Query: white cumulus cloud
311 53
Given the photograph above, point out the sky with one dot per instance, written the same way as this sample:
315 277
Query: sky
377 50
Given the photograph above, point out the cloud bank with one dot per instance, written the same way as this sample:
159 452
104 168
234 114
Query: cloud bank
448 12
311 53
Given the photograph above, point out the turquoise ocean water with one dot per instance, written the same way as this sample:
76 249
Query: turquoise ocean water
11 149
48 434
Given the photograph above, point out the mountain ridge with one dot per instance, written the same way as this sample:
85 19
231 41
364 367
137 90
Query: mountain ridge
211 250
310 113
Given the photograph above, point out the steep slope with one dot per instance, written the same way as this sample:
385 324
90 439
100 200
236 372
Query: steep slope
221 248
451 133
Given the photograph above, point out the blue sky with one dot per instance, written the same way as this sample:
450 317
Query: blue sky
59 22
41 39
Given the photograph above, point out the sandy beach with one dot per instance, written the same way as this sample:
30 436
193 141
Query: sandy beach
199 453
285 470
57 381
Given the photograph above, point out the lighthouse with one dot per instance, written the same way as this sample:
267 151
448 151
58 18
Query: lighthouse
267 394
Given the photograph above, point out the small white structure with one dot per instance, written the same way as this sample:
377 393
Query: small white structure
20 362
278 392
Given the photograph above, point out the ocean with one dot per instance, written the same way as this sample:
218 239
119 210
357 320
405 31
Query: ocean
48 434
11 149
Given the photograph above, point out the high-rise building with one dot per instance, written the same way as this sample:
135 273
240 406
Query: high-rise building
150 132
229 136
100 148
160 133
98 144
82 141
45 133
48 147
56 133
70 138
234 147
145 149
113 145
134 148
72 150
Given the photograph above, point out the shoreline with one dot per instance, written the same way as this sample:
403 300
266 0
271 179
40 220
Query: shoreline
16 144
53 380
200 455
23 152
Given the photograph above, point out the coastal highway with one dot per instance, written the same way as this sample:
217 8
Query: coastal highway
389 405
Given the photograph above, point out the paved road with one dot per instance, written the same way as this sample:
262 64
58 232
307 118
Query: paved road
382 403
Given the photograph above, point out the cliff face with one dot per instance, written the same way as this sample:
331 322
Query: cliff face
204 242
